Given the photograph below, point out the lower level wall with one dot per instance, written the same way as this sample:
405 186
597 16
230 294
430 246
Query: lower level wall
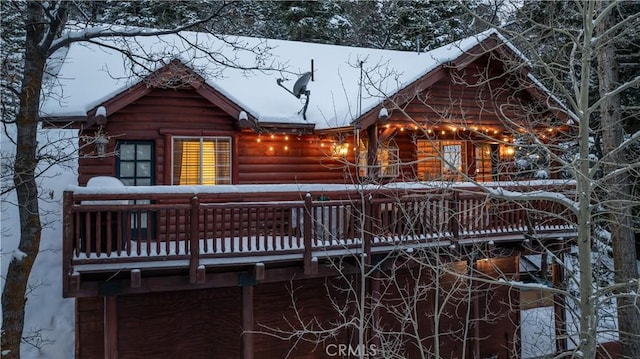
208 323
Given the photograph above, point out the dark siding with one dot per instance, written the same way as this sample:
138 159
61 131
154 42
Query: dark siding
194 324
90 327
208 323
163 113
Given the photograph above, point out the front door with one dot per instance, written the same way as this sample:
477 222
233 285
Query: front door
135 167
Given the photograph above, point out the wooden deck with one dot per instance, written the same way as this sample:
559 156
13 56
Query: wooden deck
108 237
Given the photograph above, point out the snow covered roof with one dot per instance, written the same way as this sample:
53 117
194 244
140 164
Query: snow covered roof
89 74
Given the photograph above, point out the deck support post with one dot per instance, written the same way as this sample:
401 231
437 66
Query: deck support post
307 233
111 327
557 278
194 242
247 322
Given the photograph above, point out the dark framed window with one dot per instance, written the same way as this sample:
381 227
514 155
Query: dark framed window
135 163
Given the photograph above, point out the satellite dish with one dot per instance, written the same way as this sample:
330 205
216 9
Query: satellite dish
300 86
299 89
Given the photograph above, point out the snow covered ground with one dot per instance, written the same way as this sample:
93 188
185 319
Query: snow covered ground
537 332
49 319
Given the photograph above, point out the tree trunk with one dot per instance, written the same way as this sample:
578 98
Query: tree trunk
619 190
17 276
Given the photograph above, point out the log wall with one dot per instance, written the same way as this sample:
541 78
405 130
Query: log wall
209 323
163 113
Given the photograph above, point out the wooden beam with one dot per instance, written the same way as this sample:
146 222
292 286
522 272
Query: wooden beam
259 271
201 274
74 282
136 278
247 322
111 327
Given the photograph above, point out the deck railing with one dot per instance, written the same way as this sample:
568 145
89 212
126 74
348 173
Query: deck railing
146 229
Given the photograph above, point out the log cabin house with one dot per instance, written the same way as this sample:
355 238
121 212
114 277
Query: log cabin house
247 210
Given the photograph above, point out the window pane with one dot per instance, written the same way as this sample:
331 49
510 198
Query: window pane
208 162
429 164
483 162
452 157
223 161
143 169
388 160
127 152
127 169
143 152
190 169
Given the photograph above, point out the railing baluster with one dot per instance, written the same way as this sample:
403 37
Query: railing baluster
215 231
205 230
109 238
87 228
250 229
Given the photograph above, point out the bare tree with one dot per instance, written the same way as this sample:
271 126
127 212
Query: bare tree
602 203
42 29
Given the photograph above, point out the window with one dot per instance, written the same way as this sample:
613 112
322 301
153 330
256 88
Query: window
388 160
201 160
362 158
438 160
452 155
483 162
135 163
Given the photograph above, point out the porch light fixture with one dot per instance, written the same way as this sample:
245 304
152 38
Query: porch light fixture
384 113
101 143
